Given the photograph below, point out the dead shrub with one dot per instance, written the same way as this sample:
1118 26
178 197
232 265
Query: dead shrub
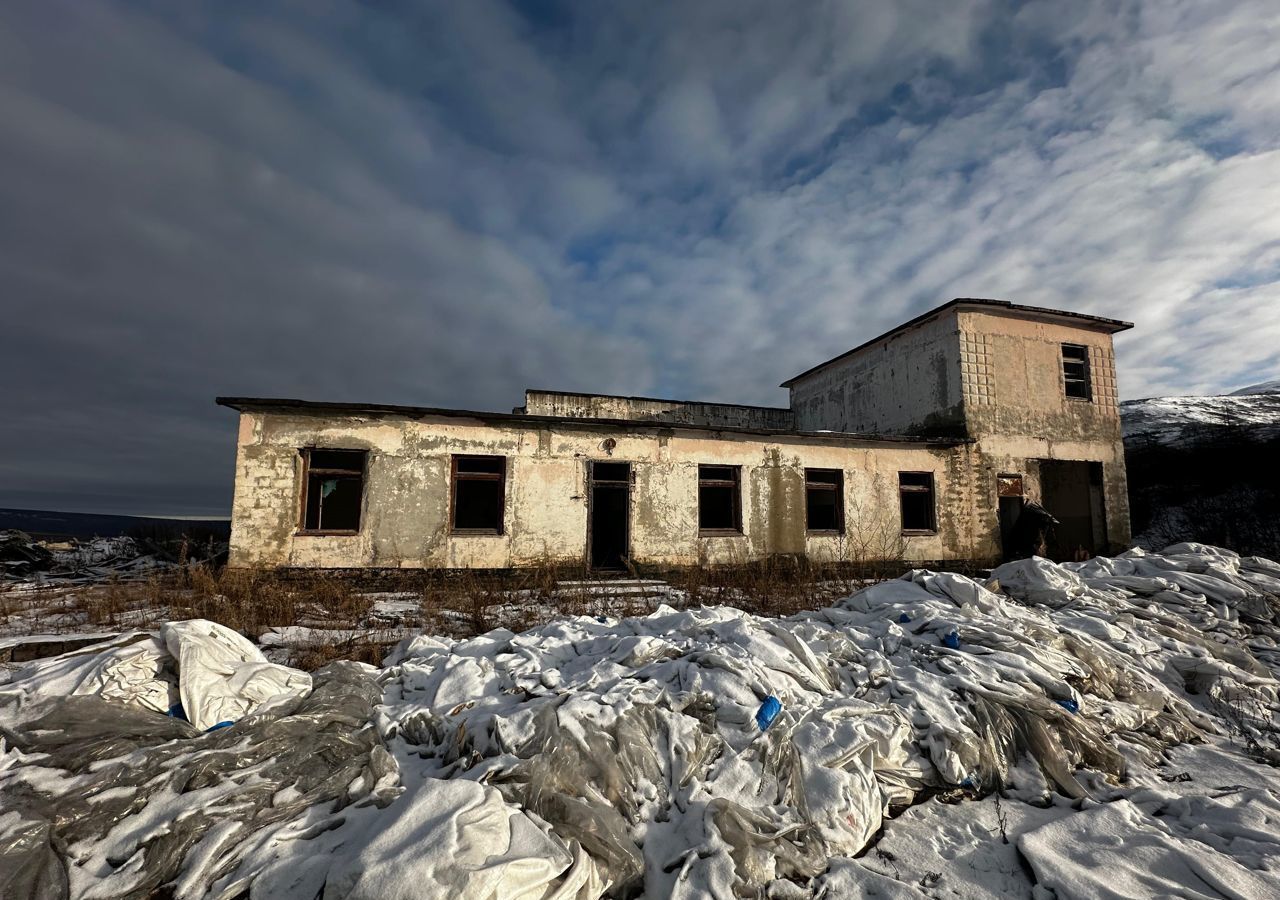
319 654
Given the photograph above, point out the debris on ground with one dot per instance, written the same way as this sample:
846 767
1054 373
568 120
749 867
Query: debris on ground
21 556
1106 728
25 561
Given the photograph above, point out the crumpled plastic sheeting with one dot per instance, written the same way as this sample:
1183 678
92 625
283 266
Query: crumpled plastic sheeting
593 756
636 739
1210 620
135 669
440 840
29 866
102 799
222 675
1076 858
217 675
656 736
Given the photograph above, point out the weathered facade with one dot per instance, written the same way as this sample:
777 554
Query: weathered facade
918 444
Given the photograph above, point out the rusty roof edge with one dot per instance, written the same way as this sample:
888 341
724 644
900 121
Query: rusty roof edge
1112 325
280 403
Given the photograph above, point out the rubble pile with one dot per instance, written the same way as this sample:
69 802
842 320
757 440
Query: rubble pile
26 560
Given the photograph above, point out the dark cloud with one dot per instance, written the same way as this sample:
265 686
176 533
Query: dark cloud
441 203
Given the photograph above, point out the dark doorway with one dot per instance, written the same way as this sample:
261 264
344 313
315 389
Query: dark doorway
609 515
1009 491
1072 493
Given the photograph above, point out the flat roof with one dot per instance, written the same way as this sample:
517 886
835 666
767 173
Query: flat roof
657 400
1109 325
281 404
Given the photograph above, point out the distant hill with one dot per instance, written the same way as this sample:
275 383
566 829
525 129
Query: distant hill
1267 387
49 525
1199 420
1206 469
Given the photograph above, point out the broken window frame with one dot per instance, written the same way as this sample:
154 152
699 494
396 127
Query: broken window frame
734 485
836 487
927 488
346 473
457 476
1075 373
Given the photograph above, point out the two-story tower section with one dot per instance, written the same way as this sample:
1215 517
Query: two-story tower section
1035 389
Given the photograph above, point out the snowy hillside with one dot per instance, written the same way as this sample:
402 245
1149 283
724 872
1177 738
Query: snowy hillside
1267 387
1101 729
1204 469
1184 421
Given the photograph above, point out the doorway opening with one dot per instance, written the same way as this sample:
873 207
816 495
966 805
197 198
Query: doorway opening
1072 492
1010 493
609 515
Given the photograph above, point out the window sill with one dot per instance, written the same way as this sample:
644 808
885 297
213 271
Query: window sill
825 532
1078 399
310 532
475 532
720 532
919 532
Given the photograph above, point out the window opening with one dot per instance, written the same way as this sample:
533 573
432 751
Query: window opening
915 493
824 499
333 488
479 492
719 508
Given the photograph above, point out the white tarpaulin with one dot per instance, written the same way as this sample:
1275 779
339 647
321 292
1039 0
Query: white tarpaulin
222 676
217 675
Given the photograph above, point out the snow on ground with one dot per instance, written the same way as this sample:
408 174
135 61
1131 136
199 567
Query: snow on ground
1103 729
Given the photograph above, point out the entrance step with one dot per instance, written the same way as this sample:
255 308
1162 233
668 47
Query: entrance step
614 587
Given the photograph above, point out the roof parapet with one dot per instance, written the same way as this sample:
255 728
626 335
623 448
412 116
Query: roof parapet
286 405
1111 326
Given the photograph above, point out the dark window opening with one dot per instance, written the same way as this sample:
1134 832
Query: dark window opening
333 488
824 499
479 492
718 503
1075 372
915 491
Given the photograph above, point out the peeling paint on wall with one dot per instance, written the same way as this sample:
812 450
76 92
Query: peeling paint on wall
989 379
405 523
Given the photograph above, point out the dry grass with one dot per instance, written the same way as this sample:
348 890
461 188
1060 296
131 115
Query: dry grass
381 608
780 587
360 614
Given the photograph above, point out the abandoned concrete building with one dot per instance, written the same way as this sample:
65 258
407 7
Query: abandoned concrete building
919 444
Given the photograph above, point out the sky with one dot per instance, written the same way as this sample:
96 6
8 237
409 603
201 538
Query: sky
442 203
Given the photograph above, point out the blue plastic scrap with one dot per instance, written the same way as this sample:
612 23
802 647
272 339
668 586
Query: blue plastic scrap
952 640
219 725
1070 706
177 712
768 711
904 619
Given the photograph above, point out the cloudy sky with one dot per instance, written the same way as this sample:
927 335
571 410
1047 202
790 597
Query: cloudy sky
442 203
